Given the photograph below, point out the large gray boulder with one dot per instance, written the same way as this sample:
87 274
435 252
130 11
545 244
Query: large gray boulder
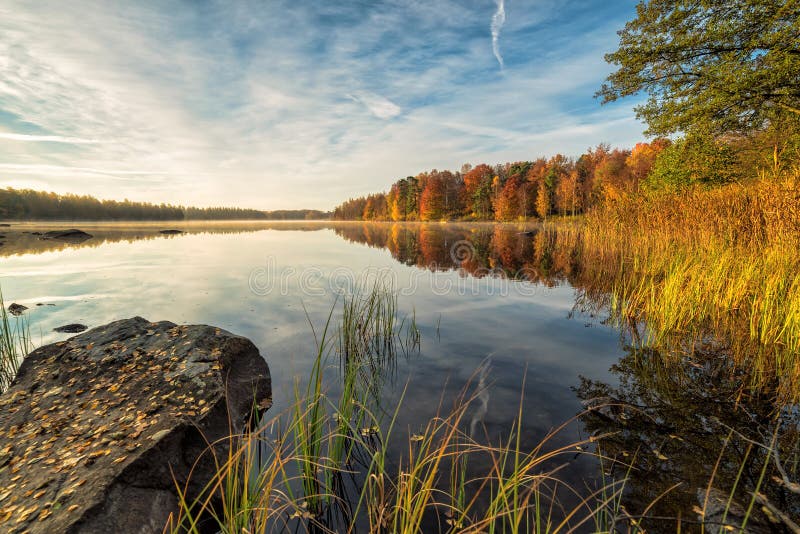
96 431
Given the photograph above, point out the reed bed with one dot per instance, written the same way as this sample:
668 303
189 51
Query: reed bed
371 335
721 263
757 214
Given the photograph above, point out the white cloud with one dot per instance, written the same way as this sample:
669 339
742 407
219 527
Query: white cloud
381 107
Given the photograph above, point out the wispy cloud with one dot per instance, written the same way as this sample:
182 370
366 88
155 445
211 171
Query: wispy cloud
381 107
498 20
44 170
48 139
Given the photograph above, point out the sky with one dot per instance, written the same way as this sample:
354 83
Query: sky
276 105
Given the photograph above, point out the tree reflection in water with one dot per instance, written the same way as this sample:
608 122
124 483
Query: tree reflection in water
679 427
517 252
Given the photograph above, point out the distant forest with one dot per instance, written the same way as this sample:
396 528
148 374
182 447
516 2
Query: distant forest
27 204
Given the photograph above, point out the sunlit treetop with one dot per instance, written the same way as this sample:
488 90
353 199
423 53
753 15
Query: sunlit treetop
720 65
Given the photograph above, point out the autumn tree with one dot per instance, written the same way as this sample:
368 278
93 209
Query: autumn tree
375 208
554 171
534 175
507 206
368 213
350 210
518 171
432 199
478 191
612 177
587 170
567 194
643 157
543 200
395 209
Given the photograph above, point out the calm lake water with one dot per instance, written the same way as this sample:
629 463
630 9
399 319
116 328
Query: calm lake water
494 304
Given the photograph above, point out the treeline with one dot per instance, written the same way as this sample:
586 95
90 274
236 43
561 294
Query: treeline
510 191
297 215
27 204
568 186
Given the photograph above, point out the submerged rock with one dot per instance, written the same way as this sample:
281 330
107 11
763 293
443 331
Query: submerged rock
72 328
72 234
170 232
93 429
16 309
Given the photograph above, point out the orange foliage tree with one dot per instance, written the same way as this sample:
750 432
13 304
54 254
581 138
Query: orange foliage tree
507 205
567 194
612 177
478 191
431 201
643 157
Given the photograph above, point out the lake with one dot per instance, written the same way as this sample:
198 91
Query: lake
500 308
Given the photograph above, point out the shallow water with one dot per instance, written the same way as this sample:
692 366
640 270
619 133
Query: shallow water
495 304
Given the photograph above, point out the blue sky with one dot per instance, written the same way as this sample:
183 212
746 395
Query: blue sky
272 104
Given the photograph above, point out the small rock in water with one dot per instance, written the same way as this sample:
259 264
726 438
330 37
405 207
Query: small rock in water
73 328
170 232
16 309
72 234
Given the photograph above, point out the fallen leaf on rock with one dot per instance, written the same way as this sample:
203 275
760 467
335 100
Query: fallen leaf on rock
160 434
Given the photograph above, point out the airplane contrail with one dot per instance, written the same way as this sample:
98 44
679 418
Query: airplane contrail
498 19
